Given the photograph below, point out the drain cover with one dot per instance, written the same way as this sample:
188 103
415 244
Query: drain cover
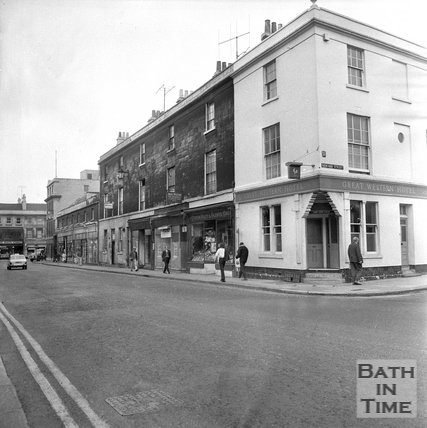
141 402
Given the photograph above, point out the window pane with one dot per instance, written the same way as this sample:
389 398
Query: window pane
371 213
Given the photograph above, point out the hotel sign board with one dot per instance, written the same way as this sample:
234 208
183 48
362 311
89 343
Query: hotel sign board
333 184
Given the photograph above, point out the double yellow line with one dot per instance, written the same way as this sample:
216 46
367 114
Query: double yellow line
14 326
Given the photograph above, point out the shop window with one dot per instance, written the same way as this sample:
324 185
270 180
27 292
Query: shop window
211 172
105 241
364 224
39 233
120 243
271 227
207 236
271 137
371 226
29 233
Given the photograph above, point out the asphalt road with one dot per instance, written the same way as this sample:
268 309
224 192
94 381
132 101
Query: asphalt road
193 355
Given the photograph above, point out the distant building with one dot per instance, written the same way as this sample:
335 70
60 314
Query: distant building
345 104
22 228
61 193
77 230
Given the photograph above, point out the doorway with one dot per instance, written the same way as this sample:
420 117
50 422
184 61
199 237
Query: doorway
322 242
404 217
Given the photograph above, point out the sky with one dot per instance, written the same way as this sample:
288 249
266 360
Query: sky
75 73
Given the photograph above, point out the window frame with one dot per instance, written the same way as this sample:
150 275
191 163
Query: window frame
210 116
356 75
355 145
272 151
171 180
141 195
363 233
171 140
271 229
120 197
270 81
142 154
210 174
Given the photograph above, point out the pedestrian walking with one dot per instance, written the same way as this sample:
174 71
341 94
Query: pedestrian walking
356 260
166 256
242 255
133 260
220 257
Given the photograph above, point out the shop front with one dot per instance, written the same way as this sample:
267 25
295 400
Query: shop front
208 228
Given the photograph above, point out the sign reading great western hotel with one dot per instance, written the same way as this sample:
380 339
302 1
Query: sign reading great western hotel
334 184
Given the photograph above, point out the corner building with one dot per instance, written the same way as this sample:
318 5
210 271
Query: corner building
349 102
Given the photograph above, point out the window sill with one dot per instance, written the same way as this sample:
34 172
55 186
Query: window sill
361 171
270 256
370 256
270 100
401 100
209 130
357 88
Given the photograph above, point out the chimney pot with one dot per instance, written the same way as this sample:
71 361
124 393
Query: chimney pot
224 66
218 66
186 93
273 27
267 30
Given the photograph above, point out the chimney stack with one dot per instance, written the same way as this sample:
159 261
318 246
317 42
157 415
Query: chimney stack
273 27
24 202
267 30
122 137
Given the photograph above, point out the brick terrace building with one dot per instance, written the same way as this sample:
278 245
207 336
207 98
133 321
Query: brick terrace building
171 183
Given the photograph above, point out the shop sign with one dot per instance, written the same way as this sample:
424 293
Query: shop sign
374 187
165 232
210 215
108 205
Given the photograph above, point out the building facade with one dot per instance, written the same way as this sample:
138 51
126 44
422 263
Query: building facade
171 184
77 230
22 228
61 193
330 143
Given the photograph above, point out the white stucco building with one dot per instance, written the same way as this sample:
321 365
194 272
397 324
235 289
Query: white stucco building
349 101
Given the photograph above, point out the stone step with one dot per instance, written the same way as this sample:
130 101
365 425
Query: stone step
324 277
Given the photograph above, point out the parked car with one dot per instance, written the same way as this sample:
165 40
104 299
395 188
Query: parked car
32 256
17 261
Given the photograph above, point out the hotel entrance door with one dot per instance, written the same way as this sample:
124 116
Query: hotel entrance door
322 242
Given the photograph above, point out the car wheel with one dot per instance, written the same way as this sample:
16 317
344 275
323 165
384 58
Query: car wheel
8 268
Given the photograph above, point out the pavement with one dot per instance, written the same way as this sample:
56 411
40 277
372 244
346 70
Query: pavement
11 411
380 287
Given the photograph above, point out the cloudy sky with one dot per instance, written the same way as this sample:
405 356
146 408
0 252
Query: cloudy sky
73 73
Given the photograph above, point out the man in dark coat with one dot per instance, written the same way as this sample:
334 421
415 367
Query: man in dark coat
356 260
166 256
242 255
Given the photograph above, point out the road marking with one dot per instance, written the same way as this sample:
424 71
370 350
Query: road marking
44 384
69 388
